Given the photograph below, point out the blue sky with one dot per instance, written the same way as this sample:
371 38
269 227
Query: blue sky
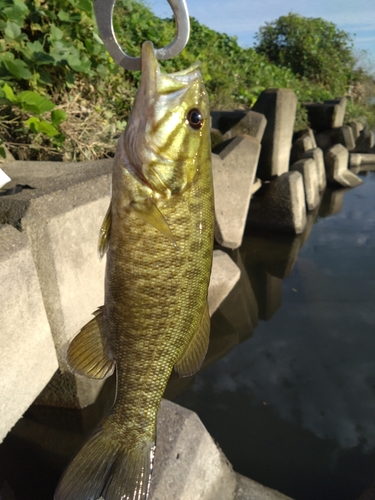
244 17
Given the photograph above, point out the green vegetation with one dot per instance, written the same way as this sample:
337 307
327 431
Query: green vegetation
63 97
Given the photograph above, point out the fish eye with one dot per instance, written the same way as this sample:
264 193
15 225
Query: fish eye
195 119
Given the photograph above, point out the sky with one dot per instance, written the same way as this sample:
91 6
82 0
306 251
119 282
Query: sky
243 18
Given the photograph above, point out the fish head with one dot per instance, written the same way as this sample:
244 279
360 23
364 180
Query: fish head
167 139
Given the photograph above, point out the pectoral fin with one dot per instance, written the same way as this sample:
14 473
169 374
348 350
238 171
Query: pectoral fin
87 354
105 233
194 354
149 212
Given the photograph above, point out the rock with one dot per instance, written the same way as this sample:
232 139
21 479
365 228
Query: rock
327 115
188 463
279 107
299 147
336 161
252 123
224 276
282 208
234 173
365 142
307 167
317 155
27 356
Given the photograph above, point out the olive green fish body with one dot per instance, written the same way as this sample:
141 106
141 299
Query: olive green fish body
158 234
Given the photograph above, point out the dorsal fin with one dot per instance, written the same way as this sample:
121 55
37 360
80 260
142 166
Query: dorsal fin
105 233
87 354
149 212
194 354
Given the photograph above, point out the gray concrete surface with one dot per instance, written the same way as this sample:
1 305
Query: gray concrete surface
327 115
357 159
27 355
365 142
356 127
317 155
234 170
336 161
252 123
189 465
299 147
279 107
282 208
307 167
344 135
225 274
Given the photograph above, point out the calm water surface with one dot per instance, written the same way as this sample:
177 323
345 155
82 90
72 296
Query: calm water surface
288 387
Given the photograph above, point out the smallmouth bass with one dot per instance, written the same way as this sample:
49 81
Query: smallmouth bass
158 236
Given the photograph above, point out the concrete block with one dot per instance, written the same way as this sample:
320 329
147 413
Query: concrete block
336 161
247 489
307 131
299 147
216 137
357 159
317 155
282 208
327 115
344 135
234 174
279 107
224 276
356 127
225 120
27 356
365 142
252 123
188 463
324 140
307 167
61 215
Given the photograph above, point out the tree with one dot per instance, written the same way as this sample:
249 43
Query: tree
310 47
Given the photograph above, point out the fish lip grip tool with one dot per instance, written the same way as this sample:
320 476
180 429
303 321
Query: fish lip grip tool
104 18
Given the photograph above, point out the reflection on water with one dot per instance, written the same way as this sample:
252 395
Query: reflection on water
294 407
287 388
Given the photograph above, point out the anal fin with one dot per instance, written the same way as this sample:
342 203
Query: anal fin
105 233
195 352
87 354
149 212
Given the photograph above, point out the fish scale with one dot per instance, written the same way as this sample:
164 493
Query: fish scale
158 233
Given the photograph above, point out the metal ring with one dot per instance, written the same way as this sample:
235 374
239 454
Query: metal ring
104 18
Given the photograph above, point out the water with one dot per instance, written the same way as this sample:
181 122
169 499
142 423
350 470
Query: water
288 387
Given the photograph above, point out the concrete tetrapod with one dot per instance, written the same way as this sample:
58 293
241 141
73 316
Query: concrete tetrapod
27 355
283 207
317 155
233 174
336 160
307 167
279 107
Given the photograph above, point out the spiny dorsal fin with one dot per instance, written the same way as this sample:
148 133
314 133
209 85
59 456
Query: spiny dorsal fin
149 212
194 354
87 354
105 233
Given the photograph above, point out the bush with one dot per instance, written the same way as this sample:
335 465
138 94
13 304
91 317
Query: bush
311 47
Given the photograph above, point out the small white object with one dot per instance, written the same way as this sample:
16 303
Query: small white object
4 178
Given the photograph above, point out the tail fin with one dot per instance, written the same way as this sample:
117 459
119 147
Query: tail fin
104 468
